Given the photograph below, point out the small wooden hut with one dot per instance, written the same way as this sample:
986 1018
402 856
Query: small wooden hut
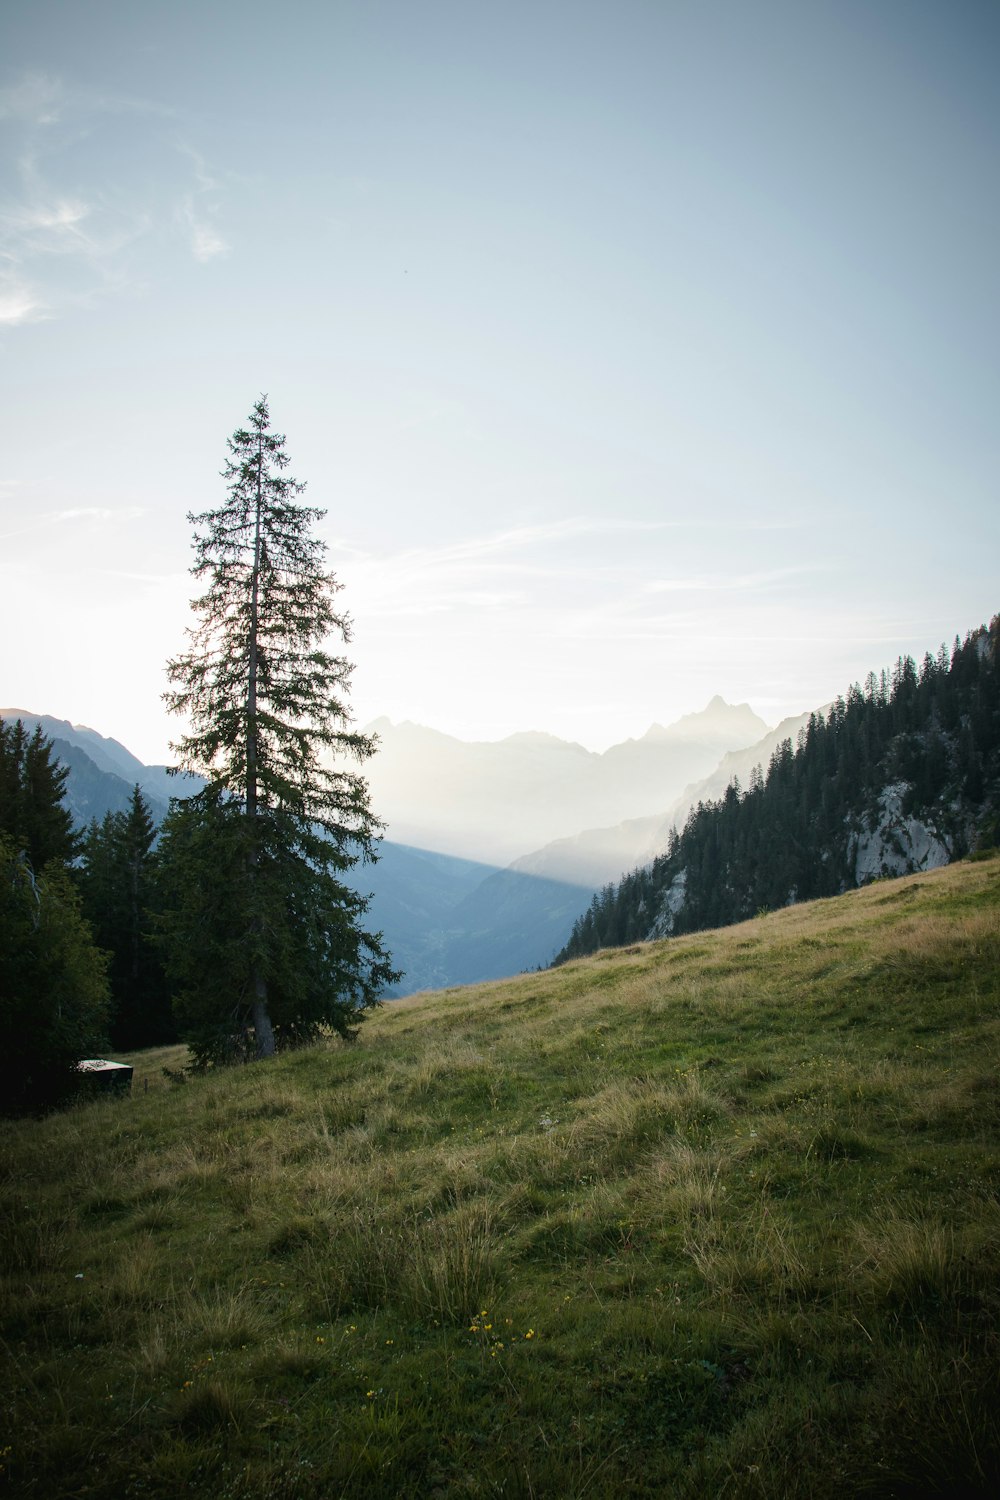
107 1077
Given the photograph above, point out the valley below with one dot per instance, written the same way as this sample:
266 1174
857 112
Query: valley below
491 850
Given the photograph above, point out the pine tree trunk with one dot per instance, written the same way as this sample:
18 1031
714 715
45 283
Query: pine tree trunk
263 1030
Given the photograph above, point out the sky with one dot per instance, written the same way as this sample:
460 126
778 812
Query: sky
638 350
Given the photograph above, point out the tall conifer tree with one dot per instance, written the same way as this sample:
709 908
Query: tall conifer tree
32 789
261 931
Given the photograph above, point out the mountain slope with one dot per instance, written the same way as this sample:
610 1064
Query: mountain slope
711 1217
902 776
102 771
598 855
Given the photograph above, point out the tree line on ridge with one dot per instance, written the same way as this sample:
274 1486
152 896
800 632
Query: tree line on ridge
792 834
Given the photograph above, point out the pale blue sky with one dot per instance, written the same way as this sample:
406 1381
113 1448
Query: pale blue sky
639 351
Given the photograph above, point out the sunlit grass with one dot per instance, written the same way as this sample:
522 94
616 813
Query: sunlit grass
715 1216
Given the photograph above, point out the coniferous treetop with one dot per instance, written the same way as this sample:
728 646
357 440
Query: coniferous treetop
265 697
32 788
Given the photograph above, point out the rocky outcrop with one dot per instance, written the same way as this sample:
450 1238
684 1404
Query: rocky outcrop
895 843
670 904
891 843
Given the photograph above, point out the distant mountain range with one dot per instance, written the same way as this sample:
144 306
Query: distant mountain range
499 800
495 848
102 771
597 855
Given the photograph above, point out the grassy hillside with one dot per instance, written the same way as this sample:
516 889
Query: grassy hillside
719 1215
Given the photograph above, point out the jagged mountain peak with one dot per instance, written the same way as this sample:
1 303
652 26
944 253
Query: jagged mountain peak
500 799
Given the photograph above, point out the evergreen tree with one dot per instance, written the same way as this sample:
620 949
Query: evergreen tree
53 991
261 934
32 787
118 880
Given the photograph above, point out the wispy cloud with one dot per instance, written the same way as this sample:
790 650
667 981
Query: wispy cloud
199 210
205 241
101 515
65 247
575 579
492 546
59 218
203 175
742 583
522 569
19 304
98 513
35 98
43 227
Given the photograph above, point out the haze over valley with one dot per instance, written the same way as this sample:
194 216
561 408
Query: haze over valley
497 801
491 850
494 852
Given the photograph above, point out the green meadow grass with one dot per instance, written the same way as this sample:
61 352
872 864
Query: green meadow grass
716 1216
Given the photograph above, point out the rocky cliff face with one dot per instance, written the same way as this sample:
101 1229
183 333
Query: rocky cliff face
670 904
894 843
889 843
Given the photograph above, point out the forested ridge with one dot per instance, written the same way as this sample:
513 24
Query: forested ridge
927 737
